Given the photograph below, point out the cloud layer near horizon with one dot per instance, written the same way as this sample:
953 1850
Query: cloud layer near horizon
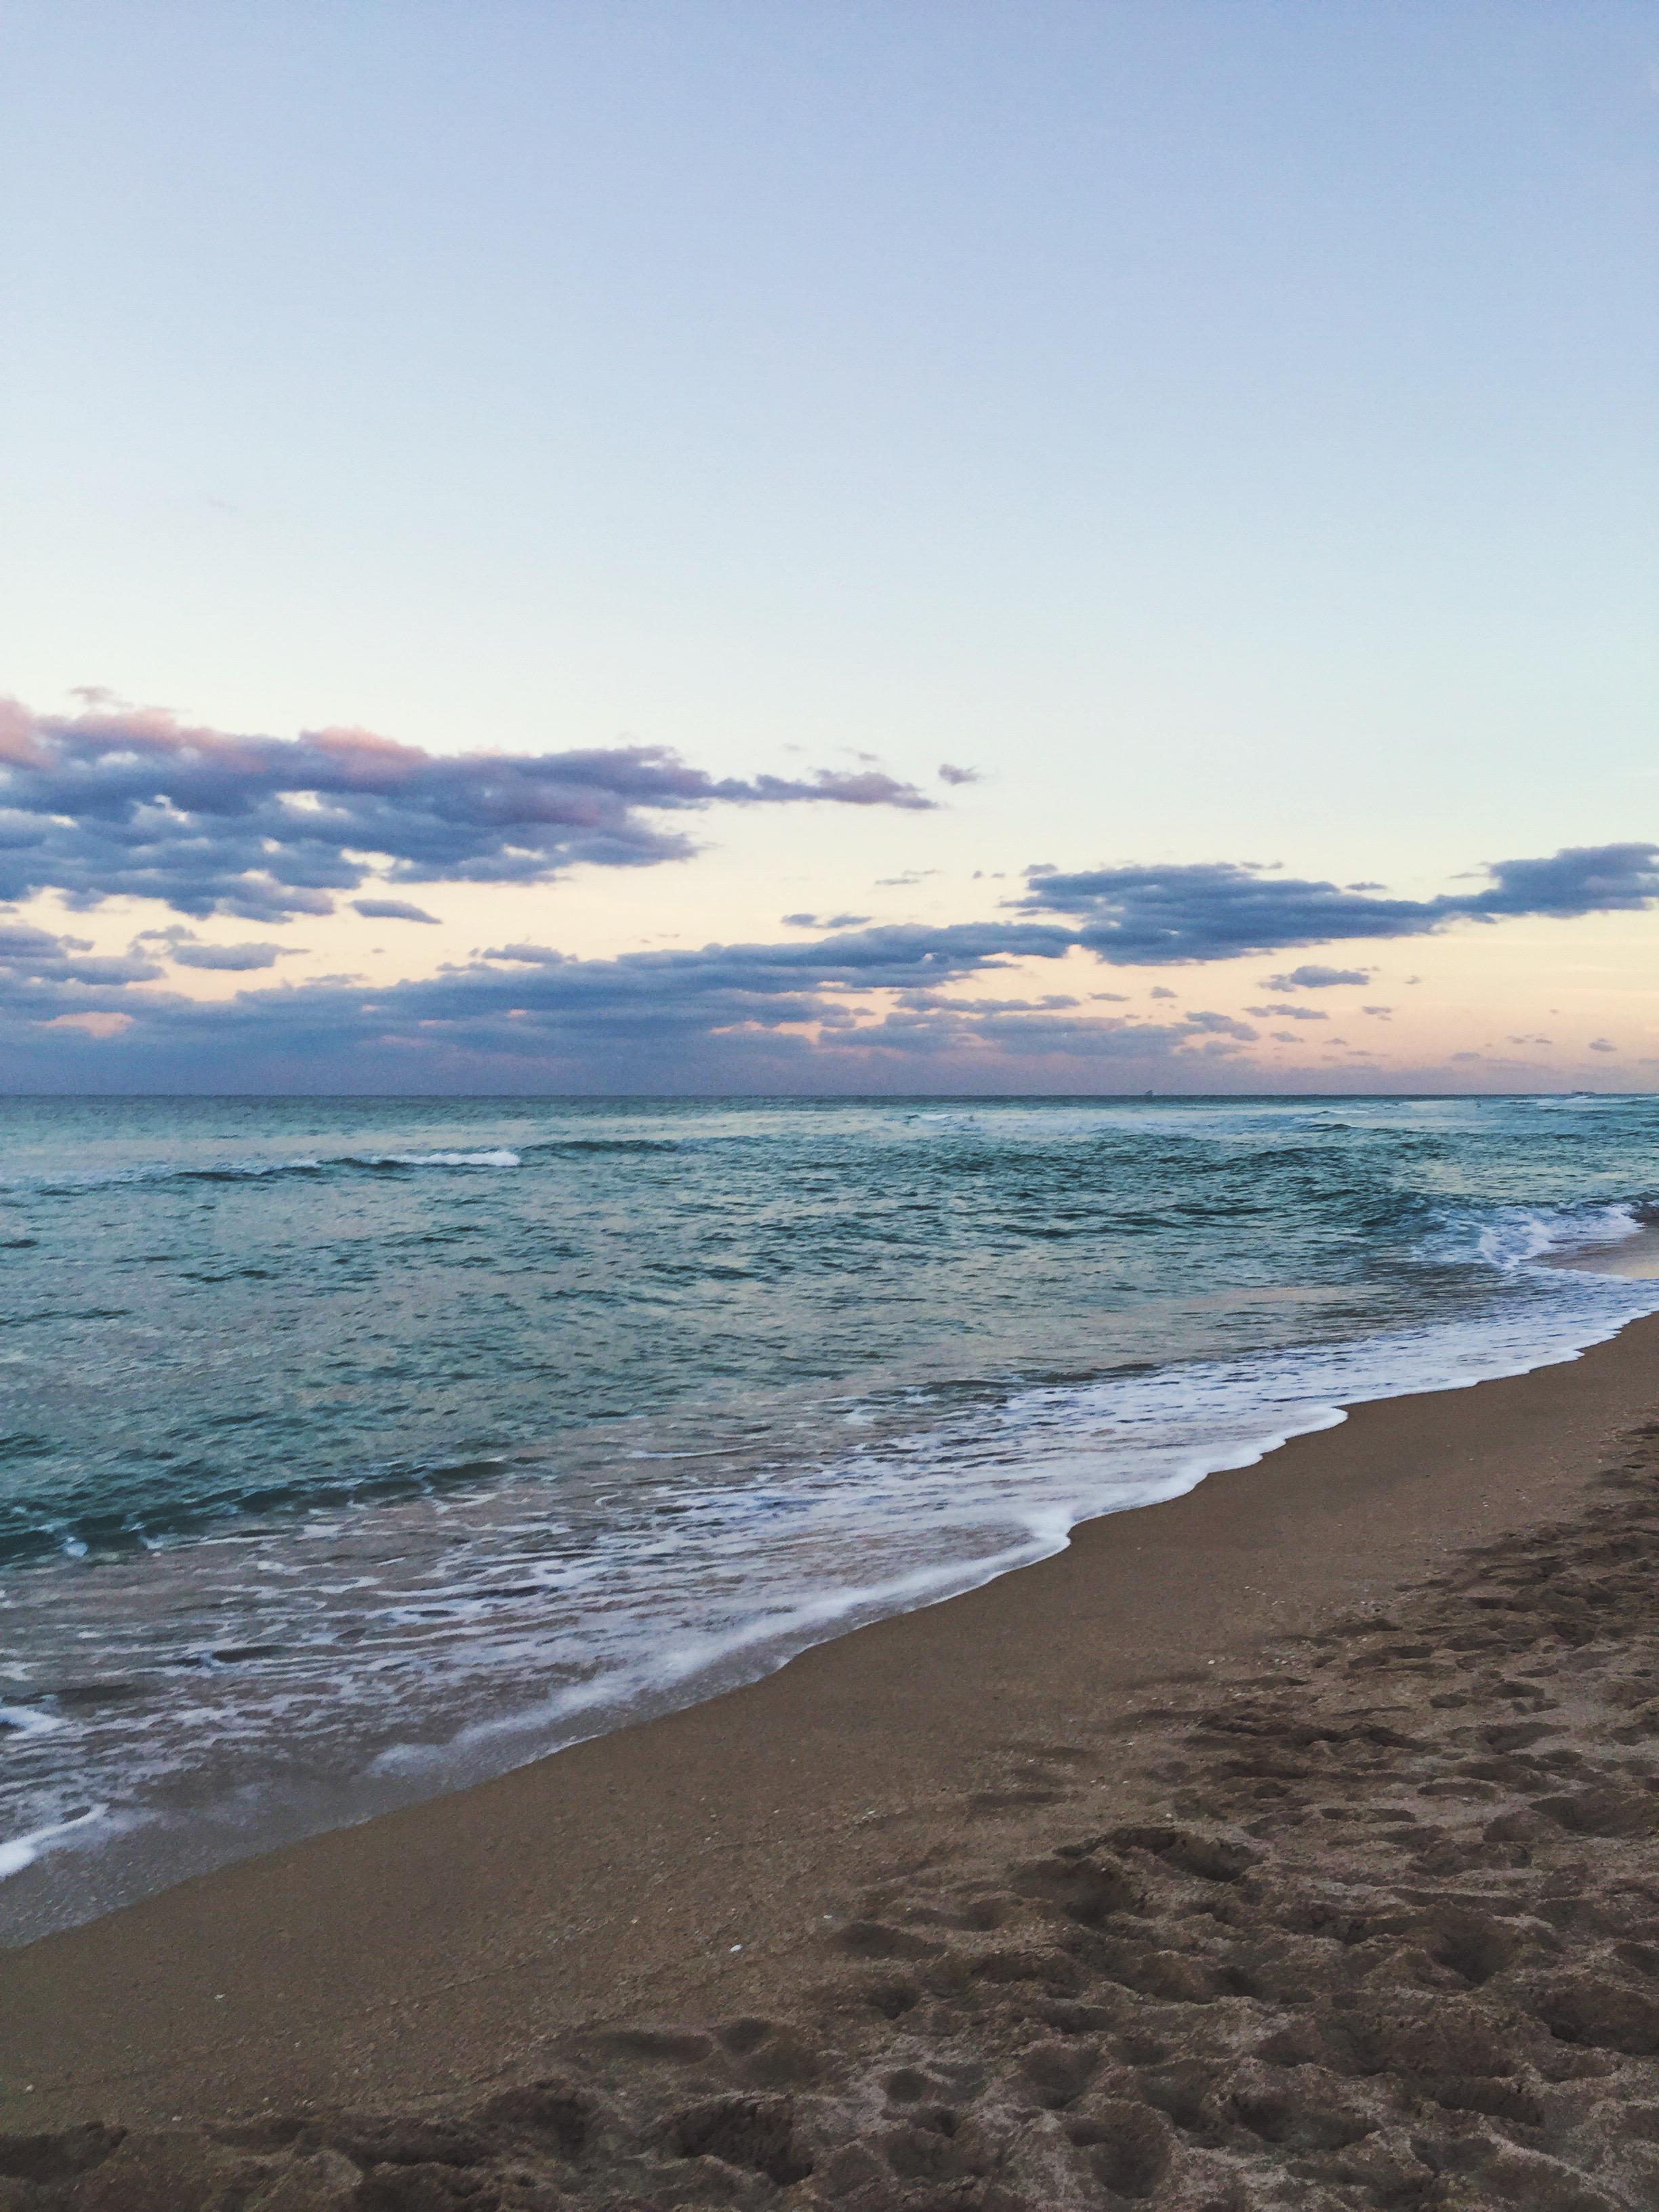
119 803
124 802
755 1016
1216 910
727 1016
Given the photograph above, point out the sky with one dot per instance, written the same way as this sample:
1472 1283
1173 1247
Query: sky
867 548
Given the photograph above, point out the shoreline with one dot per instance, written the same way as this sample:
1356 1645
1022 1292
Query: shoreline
40 1892
661 1869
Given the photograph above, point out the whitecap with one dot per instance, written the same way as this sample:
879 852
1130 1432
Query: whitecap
500 1158
29 1720
23 1850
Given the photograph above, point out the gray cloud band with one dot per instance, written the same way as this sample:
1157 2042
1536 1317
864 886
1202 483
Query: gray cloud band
1217 910
109 804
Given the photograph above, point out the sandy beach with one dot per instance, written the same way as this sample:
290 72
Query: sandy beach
1289 1842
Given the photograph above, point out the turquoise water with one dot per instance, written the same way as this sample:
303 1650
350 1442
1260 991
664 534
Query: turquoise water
351 1449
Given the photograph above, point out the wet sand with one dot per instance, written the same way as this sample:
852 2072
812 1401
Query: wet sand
1288 1843
1636 1256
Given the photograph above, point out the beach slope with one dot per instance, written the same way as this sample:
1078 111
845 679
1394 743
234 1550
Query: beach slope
1295 1835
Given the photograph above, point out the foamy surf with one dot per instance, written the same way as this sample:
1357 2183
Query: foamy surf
29 1720
23 1850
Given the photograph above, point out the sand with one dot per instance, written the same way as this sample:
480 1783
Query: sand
1289 1843
1634 1257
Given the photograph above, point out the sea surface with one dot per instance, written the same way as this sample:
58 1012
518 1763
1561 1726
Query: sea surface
351 1451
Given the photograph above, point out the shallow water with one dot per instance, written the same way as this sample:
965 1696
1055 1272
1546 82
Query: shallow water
354 1449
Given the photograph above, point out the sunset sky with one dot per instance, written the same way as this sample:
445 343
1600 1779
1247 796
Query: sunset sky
554 546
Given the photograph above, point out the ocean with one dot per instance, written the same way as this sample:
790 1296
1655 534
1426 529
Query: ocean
356 1449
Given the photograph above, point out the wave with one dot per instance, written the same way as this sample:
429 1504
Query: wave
234 1171
23 1850
605 1145
495 1155
1021 1474
27 1720
1520 1235
261 1170
1508 1246
790 1627
43 1529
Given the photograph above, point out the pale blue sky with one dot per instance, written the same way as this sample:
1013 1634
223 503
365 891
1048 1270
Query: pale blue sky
1229 427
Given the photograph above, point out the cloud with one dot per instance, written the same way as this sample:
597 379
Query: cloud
33 957
94 1025
876 1007
1287 1013
933 1001
229 955
1602 1044
824 921
896 956
1579 880
746 1016
1312 977
949 772
1218 909
393 911
123 802
1222 1025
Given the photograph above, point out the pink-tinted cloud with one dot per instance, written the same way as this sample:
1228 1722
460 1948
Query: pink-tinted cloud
123 801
